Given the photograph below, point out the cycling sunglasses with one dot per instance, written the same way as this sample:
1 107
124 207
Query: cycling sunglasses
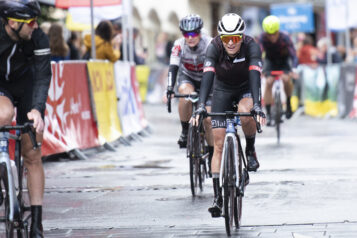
31 22
234 38
191 33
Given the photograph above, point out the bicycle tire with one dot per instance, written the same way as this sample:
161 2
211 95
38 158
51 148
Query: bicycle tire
202 161
278 114
229 186
191 153
9 225
238 199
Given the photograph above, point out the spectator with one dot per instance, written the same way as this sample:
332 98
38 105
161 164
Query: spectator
138 59
58 46
160 47
322 46
45 26
352 54
74 43
307 54
103 42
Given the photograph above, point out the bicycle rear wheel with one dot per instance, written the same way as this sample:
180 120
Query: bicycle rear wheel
278 114
230 201
202 159
192 154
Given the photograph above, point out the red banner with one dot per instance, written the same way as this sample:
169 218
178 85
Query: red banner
69 119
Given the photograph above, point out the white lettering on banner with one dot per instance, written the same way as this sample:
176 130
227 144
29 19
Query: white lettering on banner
293 19
86 115
75 106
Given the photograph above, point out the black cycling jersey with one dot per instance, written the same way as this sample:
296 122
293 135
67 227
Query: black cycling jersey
24 61
239 72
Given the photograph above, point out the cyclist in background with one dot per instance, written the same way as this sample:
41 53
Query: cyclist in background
280 54
235 60
186 60
25 75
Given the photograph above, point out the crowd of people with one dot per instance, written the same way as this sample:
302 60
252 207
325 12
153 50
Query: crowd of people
108 42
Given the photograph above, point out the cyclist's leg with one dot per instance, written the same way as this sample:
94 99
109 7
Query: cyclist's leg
221 101
209 136
33 164
185 86
288 88
6 115
249 129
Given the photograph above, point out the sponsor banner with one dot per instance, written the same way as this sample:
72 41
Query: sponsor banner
142 74
101 75
346 89
353 113
320 89
294 17
69 122
127 106
135 87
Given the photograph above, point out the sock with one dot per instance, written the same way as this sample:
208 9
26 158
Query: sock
250 141
185 125
268 108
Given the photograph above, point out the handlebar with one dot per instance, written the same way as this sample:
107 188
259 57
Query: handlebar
232 114
26 128
193 97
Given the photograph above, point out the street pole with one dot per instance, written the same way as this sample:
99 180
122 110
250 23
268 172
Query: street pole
93 51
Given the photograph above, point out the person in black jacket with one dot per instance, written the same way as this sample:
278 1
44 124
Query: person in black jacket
25 75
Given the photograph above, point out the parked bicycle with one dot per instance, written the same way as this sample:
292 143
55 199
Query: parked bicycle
197 151
12 194
234 176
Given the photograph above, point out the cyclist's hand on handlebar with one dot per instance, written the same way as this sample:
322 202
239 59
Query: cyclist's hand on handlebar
201 111
257 110
38 123
170 91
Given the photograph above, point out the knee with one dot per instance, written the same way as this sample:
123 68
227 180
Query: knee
32 157
6 115
269 82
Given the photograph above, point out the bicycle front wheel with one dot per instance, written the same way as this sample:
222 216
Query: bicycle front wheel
9 224
278 114
192 154
230 201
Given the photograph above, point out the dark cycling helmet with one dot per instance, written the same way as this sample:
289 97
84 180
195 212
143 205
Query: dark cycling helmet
191 23
19 9
231 24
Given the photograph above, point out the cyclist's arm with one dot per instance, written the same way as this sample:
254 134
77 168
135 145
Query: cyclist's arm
175 59
255 69
292 53
208 73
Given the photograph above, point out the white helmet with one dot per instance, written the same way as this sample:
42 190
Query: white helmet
231 24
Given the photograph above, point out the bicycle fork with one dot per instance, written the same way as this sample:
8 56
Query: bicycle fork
14 209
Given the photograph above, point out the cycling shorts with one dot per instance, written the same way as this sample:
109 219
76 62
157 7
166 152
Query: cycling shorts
282 65
182 79
223 99
20 93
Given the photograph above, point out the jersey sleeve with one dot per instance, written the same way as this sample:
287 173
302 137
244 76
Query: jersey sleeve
255 57
292 52
175 57
208 72
43 73
255 69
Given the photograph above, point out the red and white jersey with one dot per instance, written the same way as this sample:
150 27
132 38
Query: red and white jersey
190 60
